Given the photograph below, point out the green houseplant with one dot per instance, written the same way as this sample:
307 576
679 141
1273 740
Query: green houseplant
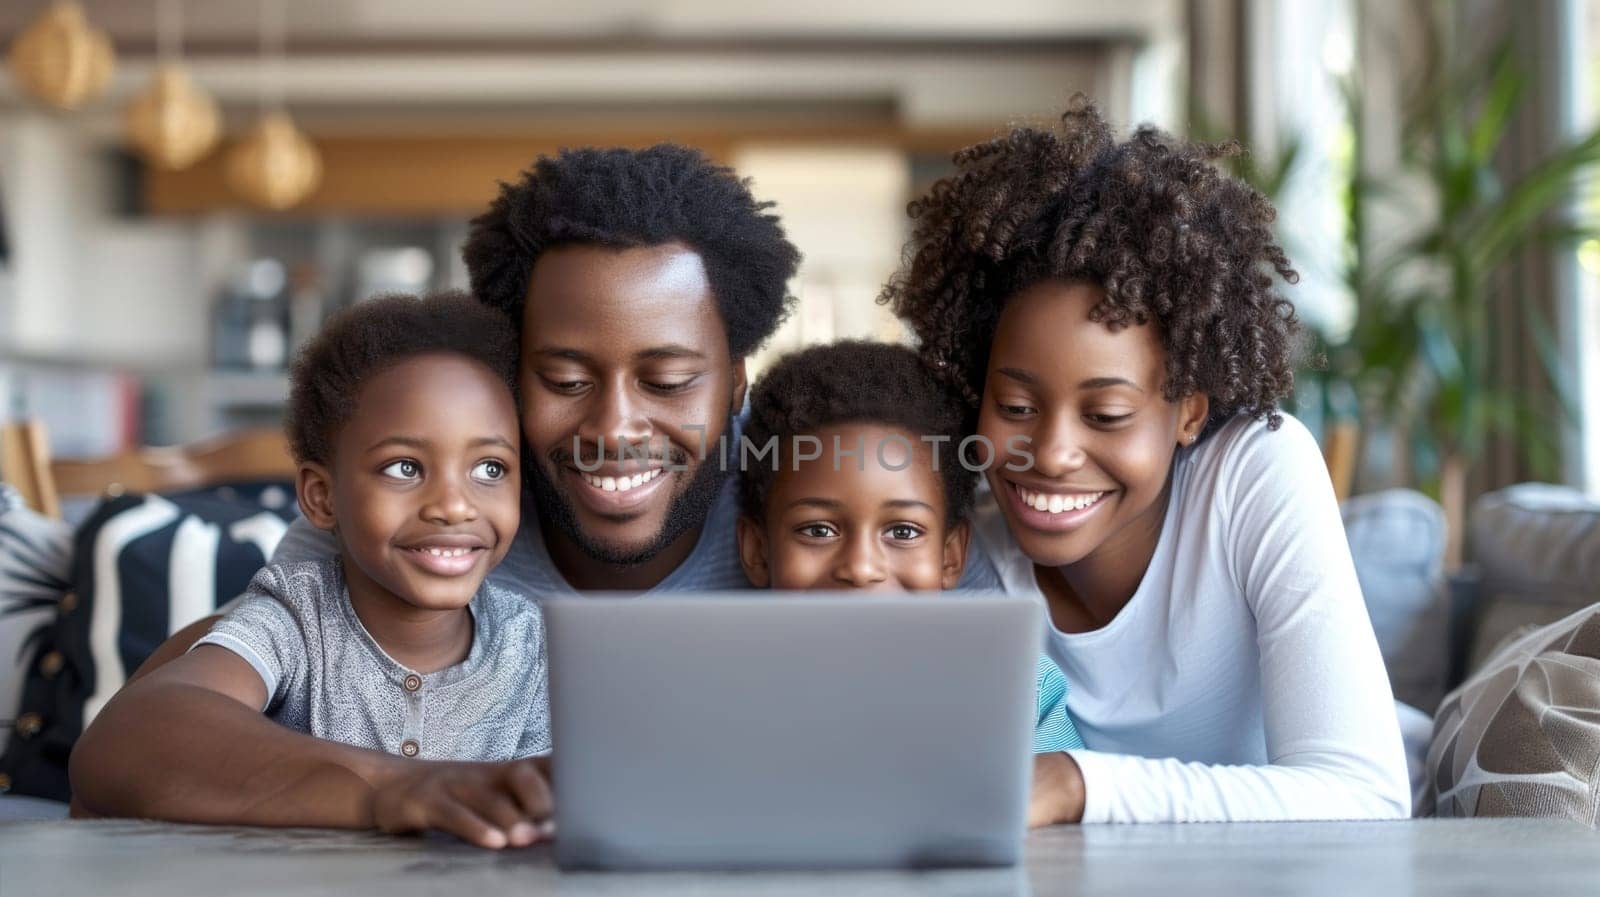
1417 369
1421 353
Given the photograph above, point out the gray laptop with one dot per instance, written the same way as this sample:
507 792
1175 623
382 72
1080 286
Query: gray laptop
791 731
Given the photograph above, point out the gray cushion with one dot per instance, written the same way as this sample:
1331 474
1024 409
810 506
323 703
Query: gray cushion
1397 539
1537 548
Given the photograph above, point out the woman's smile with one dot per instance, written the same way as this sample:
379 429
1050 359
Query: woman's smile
1055 511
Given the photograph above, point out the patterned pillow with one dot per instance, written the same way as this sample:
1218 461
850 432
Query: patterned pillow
1522 736
144 566
35 563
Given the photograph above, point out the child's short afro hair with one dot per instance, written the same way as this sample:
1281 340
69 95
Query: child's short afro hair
629 198
853 382
362 341
1151 220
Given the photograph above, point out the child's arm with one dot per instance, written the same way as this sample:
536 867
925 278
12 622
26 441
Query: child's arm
186 743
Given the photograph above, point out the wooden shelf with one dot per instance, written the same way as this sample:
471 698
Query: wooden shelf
454 176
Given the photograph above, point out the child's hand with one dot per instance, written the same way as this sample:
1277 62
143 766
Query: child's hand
492 805
1057 794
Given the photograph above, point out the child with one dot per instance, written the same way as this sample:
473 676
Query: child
404 424
1111 304
888 516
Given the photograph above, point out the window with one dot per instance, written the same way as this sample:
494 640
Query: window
1586 87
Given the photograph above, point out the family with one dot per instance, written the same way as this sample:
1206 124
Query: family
1089 418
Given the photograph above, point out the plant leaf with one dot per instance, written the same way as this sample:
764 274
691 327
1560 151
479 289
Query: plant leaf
1499 103
1507 224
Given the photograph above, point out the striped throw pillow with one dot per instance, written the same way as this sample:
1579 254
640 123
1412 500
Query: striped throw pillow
144 566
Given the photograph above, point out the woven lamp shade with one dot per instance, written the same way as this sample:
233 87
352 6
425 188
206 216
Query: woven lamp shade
274 166
60 60
174 122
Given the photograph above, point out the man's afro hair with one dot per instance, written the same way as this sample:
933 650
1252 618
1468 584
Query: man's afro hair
630 198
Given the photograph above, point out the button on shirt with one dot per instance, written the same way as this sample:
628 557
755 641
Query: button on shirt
326 676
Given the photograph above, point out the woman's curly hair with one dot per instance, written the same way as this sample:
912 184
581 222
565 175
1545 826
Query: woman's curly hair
1151 220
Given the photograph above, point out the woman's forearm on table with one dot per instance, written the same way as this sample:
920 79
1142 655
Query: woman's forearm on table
1121 788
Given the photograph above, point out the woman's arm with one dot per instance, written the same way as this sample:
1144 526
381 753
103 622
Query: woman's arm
1332 739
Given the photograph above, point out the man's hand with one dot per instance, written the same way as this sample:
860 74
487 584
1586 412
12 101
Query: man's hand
492 805
1057 790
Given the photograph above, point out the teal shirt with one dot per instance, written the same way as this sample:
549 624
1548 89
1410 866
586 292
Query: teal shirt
1054 729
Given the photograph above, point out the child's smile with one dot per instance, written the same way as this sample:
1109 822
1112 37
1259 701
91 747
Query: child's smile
447 555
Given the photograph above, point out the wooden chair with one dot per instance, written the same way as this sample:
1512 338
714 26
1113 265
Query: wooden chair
25 464
1340 451
253 454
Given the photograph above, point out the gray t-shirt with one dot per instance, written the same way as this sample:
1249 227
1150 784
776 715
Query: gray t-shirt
326 676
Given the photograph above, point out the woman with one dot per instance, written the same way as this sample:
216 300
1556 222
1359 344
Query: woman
1108 309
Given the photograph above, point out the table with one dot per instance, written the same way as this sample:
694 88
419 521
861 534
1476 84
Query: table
1454 857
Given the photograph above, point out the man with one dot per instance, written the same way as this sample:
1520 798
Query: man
640 281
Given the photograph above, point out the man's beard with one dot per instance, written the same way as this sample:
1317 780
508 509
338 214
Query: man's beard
688 511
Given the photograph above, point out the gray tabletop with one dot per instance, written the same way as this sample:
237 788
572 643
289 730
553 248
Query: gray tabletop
1454 857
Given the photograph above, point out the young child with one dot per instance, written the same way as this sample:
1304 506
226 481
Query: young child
889 517
404 423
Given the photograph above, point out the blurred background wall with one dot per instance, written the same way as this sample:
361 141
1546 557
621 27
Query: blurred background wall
140 305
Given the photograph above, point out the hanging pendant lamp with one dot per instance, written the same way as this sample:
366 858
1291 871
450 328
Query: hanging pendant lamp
274 166
174 122
60 59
